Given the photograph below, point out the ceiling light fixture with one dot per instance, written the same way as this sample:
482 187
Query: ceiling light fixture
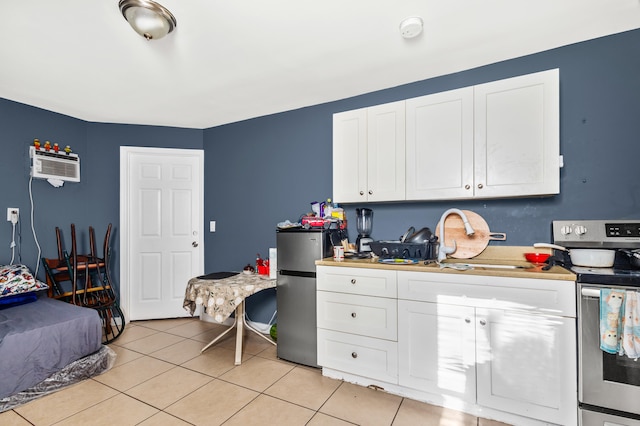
411 27
148 18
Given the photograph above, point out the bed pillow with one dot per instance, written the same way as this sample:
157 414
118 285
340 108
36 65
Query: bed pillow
17 279
17 300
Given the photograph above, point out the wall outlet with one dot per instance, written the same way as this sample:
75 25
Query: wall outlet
11 211
212 226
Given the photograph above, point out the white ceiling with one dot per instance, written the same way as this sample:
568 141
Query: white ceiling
230 60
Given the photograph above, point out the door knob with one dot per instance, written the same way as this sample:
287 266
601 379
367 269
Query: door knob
195 244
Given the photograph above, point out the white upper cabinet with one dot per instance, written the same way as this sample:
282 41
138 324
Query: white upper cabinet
517 136
369 154
499 139
440 145
350 156
495 140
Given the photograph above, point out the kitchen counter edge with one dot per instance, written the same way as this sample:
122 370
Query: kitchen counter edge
497 256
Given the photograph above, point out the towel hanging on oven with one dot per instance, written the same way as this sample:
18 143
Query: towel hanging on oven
611 314
631 325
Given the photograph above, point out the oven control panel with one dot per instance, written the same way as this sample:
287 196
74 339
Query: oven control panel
597 233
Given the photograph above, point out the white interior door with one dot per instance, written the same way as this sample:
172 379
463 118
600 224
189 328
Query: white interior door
161 221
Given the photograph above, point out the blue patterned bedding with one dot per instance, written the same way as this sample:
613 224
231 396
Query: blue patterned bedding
16 280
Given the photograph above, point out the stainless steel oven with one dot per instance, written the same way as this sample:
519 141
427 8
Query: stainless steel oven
608 384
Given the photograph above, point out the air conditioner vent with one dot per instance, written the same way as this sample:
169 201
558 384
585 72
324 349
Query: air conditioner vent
52 165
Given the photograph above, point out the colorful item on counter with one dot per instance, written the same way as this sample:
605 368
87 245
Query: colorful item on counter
262 265
56 148
36 143
395 261
67 149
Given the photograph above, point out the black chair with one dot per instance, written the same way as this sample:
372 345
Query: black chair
88 281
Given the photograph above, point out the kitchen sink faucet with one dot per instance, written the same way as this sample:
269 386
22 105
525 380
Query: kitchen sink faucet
443 251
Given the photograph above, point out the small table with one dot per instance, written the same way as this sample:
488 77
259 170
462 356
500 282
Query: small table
223 296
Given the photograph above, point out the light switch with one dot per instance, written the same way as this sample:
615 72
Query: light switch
212 226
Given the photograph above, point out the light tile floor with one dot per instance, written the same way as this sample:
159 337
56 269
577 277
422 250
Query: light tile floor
161 378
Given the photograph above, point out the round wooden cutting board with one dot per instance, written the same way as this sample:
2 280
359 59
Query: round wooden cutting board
468 246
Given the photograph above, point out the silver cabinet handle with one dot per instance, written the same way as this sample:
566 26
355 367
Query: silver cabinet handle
354 355
480 186
195 244
467 186
370 192
353 280
353 315
467 320
361 192
483 322
590 292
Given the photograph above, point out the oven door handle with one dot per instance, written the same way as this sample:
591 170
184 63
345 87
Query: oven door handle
590 292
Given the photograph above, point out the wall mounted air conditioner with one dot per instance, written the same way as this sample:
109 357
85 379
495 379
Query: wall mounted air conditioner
54 165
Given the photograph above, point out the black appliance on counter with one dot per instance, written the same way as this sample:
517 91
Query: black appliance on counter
420 245
364 225
398 250
608 384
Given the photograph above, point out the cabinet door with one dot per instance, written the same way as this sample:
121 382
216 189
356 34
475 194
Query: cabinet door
375 359
386 152
439 157
368 282
350 156
436 346
364 315
517 133
526 364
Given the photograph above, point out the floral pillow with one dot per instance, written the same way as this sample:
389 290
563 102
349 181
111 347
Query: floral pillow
17 279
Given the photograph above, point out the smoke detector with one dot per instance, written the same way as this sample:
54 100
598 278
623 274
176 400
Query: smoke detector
411 27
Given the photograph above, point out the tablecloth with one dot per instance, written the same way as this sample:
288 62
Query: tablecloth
220 297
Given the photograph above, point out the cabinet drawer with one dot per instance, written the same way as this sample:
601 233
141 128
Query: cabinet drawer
369 282
358 355
364 315
550 297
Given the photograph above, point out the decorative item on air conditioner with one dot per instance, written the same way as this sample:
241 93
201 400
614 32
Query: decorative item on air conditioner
54 165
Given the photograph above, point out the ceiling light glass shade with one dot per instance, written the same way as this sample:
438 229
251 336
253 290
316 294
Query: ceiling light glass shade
148 18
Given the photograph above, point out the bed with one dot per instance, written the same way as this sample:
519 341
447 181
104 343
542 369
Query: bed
45 344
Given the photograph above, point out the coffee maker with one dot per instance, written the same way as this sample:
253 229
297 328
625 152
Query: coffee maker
364 224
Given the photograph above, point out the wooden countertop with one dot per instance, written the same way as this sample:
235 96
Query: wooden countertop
498 255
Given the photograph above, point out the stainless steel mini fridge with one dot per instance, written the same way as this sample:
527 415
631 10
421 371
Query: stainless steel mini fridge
298 249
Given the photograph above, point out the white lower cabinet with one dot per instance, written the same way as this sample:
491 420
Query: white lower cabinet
364 356
508 361
503 344
436 346
496 347
525 364
357 314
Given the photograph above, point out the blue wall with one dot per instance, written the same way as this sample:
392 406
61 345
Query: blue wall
265 170
92 202
276 165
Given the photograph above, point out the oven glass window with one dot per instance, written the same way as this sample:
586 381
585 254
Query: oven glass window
620 369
